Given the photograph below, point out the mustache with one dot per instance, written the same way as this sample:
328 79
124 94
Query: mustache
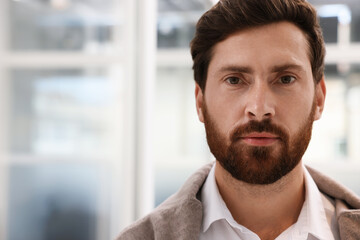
255 126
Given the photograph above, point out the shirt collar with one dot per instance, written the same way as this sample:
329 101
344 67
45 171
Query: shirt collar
214 207
312 219
212 201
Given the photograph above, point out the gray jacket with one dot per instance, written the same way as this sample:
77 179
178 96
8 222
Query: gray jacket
180 216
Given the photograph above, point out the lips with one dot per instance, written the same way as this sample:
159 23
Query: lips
260 138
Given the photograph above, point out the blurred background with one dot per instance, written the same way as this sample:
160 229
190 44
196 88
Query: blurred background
98 122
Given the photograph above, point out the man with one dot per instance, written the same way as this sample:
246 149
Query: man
258 67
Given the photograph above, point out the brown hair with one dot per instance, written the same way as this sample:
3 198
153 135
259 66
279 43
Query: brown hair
230 16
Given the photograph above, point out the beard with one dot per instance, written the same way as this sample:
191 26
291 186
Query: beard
258 164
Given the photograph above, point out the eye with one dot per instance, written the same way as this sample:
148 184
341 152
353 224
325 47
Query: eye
233 80
287 79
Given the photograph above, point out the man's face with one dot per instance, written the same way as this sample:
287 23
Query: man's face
260 102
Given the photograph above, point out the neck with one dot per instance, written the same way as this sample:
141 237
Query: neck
267 210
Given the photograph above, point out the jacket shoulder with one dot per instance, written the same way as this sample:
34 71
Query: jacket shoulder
141 229
178 217
334 189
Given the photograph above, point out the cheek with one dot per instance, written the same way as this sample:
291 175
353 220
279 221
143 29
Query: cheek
225 113
297 114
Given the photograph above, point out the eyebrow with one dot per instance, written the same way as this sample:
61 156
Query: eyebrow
274 69
234 68
284 67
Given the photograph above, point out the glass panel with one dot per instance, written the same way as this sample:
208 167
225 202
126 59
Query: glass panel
65 111
183 148
339 19
57 201
336 136
171 35
329 27
341 112
177 20
64 25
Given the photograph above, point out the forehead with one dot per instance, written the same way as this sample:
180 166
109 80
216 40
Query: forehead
265 46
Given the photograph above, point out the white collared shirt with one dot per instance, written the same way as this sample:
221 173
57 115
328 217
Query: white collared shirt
315 222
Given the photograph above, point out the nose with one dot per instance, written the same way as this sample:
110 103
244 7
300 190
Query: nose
260 103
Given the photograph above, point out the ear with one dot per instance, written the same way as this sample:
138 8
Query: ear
320 94
199 102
